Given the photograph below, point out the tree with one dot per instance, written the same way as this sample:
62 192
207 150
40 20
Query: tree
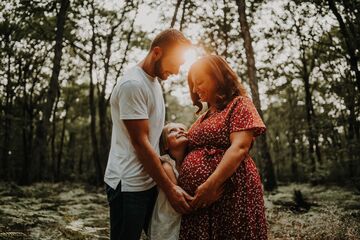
53 89
268 170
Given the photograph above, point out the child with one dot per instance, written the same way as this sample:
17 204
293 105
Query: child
165 221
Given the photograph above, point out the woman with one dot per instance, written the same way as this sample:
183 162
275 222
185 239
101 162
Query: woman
219 143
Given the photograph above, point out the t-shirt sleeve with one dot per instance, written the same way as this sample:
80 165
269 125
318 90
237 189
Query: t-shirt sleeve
133 101
244 116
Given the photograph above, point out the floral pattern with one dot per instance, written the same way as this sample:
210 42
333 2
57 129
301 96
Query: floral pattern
240 212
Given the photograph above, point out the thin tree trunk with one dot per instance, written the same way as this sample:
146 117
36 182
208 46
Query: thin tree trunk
7 113
62 139
102 104
53 90
291 135
182 20
225 29
306 68
309 118
26 136
175 13
92 105
27 170
268 171
53 139
80 167
128 38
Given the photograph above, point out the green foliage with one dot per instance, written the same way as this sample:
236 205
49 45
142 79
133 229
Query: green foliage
291 39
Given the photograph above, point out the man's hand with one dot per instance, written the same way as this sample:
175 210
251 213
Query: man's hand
179 199
206 194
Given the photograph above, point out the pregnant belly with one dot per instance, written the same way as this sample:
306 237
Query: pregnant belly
196 168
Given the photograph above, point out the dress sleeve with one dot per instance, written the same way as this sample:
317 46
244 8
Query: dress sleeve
244 116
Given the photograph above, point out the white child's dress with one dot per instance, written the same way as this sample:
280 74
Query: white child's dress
165 221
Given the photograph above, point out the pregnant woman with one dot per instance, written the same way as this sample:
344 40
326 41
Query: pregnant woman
219 142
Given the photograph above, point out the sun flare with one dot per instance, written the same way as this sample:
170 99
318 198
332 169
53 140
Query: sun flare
190 56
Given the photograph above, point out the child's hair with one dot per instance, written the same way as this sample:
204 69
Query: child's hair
163 141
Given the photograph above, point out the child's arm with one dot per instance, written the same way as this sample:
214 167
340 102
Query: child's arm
169 172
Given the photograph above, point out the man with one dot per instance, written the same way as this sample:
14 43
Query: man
138 114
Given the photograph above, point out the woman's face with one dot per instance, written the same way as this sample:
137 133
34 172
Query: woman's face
204 85
176 135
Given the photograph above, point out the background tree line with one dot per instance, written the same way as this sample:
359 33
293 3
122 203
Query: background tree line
61 59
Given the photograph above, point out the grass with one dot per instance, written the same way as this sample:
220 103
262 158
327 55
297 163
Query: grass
74 211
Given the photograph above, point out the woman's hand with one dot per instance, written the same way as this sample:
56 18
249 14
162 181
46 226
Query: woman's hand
206 194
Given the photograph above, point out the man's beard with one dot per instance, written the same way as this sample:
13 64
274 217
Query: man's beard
157 69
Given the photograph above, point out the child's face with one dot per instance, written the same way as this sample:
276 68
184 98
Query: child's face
176 135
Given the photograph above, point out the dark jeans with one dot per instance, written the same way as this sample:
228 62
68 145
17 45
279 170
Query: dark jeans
130 212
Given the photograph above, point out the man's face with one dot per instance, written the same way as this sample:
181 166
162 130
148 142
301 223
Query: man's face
169 63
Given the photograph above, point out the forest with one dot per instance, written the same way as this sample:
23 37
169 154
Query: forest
299 61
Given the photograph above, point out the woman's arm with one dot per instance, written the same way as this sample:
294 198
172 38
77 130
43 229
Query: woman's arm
240 145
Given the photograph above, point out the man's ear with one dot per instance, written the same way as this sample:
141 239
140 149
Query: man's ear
157 52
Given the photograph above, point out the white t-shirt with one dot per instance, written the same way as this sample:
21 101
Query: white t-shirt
135 96
165 221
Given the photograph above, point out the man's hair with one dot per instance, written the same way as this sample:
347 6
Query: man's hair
170 37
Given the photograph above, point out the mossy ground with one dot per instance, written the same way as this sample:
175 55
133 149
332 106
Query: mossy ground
74 211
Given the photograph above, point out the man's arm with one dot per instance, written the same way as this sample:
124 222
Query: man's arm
139 135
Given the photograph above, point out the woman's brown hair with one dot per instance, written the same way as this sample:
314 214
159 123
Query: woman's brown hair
228 82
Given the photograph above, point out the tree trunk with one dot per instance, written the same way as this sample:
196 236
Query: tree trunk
309 119
178 2
53 139
182 20
128 38
92 105
102 103
62 139
291 135
268 170
350 42
53 90
7 113
225 29
28 125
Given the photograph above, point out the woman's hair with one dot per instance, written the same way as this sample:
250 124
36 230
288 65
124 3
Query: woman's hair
228 83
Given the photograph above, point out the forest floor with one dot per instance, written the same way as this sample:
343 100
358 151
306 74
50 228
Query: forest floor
74 211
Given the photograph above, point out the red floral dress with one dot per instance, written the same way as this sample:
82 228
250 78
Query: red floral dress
240 212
